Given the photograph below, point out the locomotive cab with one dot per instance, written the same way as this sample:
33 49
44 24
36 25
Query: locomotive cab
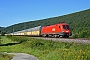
65 30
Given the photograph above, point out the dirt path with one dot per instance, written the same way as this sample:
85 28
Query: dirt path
23 56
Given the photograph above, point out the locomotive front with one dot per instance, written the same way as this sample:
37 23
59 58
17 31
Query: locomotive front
65 30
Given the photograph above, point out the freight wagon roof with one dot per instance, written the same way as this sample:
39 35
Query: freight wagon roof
26 30
34 29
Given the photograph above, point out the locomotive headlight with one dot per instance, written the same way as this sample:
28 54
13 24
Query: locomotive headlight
67 31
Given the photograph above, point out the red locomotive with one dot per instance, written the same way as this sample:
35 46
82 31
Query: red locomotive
58 30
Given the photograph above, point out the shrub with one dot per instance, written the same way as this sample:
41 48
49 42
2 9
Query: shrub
18 39
0 39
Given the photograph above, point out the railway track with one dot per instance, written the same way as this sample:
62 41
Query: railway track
73 40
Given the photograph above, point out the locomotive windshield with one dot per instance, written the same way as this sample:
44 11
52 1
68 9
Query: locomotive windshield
66 27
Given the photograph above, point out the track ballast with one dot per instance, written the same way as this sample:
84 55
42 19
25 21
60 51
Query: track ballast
73 40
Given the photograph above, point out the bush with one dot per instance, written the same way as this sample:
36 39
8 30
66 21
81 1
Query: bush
18 39
0 40
75 36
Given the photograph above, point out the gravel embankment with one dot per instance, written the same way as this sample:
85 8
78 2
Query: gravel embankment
83 41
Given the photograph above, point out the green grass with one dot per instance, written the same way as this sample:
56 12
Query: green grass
47 50
5 40
5 57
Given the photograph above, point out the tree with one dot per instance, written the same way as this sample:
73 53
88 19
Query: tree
2 33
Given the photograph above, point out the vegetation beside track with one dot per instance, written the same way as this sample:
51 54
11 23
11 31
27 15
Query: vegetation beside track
3 41
46 50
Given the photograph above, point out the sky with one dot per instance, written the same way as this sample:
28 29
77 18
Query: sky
18 11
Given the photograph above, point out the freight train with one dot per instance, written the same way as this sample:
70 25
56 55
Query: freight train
57 30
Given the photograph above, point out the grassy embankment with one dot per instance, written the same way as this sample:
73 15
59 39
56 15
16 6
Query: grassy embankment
47 50
3 56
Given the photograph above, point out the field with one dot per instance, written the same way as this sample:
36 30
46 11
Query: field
45 50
